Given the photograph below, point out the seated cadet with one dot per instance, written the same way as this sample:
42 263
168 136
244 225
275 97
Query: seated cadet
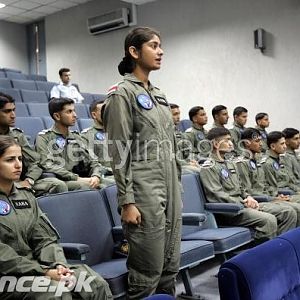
291 159
31 175
63 151
184 147
252 175
262 122
197 134
220 116
221 184
28 241
95 140
240 115
277 175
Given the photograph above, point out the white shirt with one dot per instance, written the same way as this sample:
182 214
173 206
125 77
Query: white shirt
66 91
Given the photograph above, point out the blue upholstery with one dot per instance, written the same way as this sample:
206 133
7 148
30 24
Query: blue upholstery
48 122
99 97
38 109
36 77
15 75
88 98
184 125
21 109
15 93
31 127
2 74
44 85
160 297
11 70
268 271
224 239
23 84
88 222
81 110
5 83
34 96
84 123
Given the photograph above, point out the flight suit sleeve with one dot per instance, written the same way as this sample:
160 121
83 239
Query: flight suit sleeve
243 173
44 242
118 122
31 159
51 163
234 137
271 182
213 188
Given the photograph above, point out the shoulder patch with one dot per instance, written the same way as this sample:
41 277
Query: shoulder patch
113 88
74 131
18 129
208 164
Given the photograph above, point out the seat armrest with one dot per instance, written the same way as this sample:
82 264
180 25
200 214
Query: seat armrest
193 219
47 175
118 234
75 251
261 198
286 192
233 208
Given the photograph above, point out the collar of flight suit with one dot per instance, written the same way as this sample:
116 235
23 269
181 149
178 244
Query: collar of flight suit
216 158
198 127
238 125
290 151
98 126
131 77
13 190
56 130
273 155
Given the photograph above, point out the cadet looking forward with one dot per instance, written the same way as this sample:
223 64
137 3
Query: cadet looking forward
222 184
262 122
28 241
32 172
63 151
138 119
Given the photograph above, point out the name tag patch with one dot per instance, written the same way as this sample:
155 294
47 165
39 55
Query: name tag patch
21 204
161 100
4 208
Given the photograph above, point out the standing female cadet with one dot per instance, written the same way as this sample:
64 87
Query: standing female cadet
28 242
141 138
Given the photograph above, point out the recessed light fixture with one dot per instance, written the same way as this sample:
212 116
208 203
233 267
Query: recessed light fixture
2 5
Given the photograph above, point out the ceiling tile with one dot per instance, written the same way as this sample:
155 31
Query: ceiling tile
47 9
12 10
18 19
7 2
80 1
26 4
44 2
62 4
33 14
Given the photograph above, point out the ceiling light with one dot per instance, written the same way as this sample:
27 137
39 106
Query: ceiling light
2 5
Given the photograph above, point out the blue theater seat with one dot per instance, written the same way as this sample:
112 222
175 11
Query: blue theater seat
2 74
84 123
184 125
88 98
15 93
38 109
44 85
21 109
5 83
23 84
15 75
34 96
81 110
36 77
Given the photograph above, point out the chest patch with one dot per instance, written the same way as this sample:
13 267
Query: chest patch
161 100
4 208
252 164
100 136
60 142
21 204
144 101
276 165
200 136
224 173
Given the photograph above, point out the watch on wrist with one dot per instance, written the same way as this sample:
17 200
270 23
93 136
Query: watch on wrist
31 181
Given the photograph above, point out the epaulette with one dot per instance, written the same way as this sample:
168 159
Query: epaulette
20 187
239 159
263 159
86 130
18 129
74 131
189 129
207 164
44 131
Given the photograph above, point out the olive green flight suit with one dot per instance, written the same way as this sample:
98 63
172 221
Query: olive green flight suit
292 165
28 247
66 157
253 181
216 125
236 133
96 142
197 137
222 184
264 136
142 146
277 176
32 169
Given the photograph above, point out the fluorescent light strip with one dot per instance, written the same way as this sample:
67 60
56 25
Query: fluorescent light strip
2 5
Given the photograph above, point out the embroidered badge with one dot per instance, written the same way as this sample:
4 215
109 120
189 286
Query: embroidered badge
252 164
4 208
60 142
100 136
276 165
200 136
21 204
161 100
224 173
263 135
145 101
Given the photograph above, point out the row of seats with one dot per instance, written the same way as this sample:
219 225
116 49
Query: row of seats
22 91
93 228
33 125
17 74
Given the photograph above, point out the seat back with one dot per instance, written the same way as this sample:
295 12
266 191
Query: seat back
81 110
31 127
21 110
84 123
99 97
23 84
2 74
262 273
88 98
110 196
184 125
38 109
34 96
5 83
15 75
81 217
15 93
44 85
37 77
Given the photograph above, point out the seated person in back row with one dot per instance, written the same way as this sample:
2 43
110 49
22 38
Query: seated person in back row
31 175
222 184
65 89
95 140
29 243
63 151
220 116
263 122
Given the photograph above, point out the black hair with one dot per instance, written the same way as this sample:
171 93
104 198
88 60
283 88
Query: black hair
239 110
250 133
217 109
290 132
193 111
4 99
217 132
63 70
274 137
136 38
93 105
260 116
6 141
173 105
57 104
